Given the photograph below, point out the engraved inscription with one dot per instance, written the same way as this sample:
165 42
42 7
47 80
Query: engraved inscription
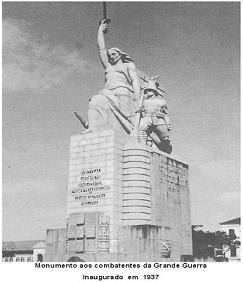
174 174
91 188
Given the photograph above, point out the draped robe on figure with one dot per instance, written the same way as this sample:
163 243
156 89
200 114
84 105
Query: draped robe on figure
114 106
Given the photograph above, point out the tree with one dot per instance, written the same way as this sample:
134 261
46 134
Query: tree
202 243
212 244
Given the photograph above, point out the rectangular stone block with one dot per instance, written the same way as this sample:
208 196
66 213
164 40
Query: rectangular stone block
111 150
110 156
72 167
90 245
90 231
87 154
71 231
99 140
91 218
80 246
109 163
76 219
80 232
71 246
91 147
85 142
91 135
99 152
72 156
114 246
79 155
103 246
106 145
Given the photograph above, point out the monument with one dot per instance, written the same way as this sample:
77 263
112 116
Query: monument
128 195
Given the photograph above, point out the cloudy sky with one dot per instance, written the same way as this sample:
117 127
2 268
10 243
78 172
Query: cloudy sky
51 68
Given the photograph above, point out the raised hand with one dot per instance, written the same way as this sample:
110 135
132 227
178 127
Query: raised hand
104 25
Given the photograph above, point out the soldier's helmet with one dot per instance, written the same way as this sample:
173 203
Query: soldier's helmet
153 85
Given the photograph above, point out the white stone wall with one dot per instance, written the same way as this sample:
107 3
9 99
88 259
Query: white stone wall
156 192
96 177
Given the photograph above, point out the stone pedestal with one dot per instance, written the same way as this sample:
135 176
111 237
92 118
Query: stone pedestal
126 201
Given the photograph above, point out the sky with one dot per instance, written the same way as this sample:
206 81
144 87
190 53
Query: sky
51 68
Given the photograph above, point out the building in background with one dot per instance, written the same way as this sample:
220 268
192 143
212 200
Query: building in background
232 228
23 251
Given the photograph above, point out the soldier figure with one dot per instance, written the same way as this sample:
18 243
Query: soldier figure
155 120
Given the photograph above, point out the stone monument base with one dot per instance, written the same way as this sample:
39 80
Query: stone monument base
126 202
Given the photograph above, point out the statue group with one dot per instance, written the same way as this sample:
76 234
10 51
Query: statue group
125 104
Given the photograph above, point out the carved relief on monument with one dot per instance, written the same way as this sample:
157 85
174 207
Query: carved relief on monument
88 235
174 174
165 248
103 233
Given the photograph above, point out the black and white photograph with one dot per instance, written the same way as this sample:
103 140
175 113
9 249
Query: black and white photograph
121 133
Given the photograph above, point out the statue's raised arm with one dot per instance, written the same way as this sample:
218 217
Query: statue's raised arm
104 25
